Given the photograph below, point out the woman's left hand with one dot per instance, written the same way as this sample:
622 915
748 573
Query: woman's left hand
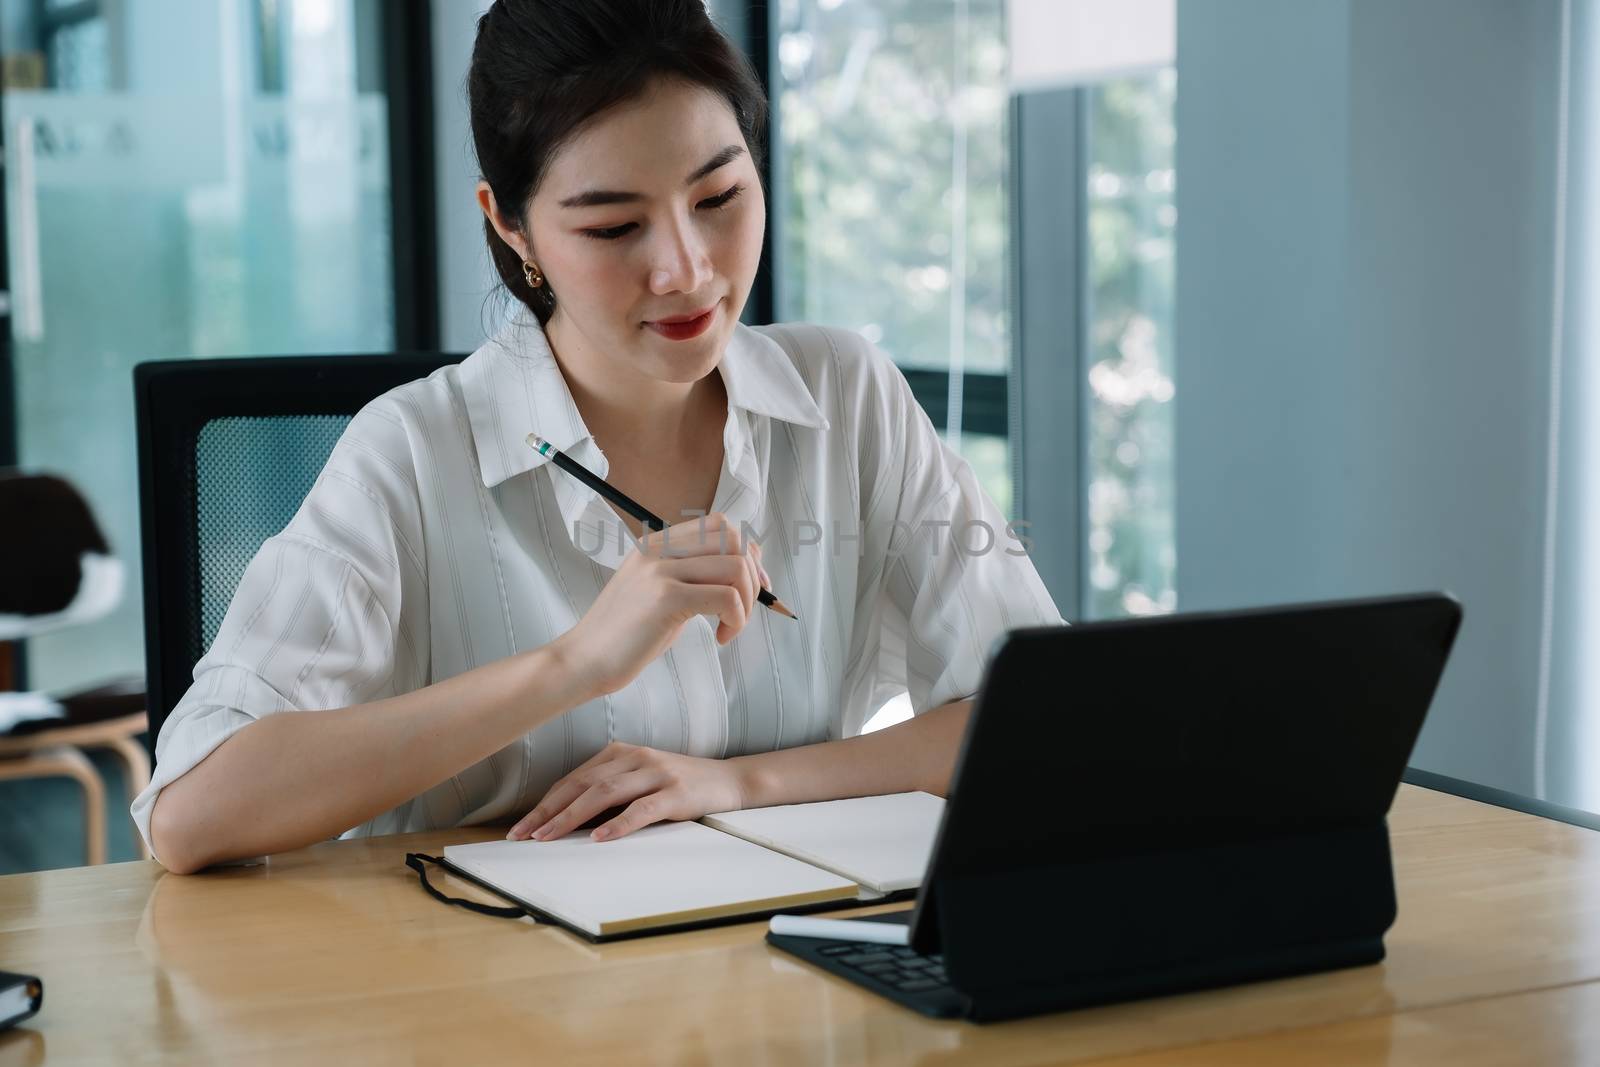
655 786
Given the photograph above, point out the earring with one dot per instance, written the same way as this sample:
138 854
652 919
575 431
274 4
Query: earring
532 275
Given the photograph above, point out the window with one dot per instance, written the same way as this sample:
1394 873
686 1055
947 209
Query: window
1131 550
210 179
889 164
890 198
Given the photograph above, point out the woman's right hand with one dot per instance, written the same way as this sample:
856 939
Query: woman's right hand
697 567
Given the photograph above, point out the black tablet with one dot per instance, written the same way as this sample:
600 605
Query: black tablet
1146 805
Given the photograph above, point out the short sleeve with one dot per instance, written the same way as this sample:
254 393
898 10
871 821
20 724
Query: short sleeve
322 617
951 576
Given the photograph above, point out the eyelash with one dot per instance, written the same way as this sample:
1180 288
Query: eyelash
612 233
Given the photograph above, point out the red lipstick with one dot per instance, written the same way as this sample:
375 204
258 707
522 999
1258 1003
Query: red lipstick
683 327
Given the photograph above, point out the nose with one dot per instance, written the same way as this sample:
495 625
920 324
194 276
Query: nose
680 262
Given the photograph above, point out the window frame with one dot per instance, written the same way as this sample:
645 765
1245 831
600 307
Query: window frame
1049 130
406 55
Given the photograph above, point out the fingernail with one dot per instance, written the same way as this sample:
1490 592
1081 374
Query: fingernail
601 834
511 834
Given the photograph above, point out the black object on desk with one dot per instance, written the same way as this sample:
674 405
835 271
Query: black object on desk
1147 806
21 997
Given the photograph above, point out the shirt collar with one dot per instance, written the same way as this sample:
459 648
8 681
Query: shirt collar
761 379
513 386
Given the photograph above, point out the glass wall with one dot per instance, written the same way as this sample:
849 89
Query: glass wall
1132 219
184 178
891 190
890 170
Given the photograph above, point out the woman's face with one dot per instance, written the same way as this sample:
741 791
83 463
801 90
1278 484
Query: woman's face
648 226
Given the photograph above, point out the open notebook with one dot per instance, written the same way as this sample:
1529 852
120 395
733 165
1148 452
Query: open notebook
732 866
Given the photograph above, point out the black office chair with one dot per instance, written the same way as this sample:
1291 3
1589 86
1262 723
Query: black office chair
228 448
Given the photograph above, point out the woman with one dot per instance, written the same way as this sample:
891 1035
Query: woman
452 630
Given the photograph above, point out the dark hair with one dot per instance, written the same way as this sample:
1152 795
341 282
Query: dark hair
542 69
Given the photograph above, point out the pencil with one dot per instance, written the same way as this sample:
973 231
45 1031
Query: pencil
622 500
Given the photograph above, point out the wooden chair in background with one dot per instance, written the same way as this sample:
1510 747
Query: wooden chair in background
56 571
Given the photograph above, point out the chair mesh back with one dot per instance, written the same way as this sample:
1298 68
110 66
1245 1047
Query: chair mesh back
251 473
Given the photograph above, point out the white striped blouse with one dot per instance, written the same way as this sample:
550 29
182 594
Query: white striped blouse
435 541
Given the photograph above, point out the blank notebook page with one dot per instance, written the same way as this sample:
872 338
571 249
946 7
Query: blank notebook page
662 875
881 842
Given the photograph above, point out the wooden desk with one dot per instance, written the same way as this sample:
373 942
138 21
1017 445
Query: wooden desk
334 954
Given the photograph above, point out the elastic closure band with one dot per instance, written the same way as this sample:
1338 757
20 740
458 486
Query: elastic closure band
415 861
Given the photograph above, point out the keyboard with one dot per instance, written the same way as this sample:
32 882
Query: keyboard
894 971
893 965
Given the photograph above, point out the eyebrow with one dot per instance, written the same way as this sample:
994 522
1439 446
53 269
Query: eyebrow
599 197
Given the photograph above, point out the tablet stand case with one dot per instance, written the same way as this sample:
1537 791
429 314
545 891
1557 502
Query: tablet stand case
1071 935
